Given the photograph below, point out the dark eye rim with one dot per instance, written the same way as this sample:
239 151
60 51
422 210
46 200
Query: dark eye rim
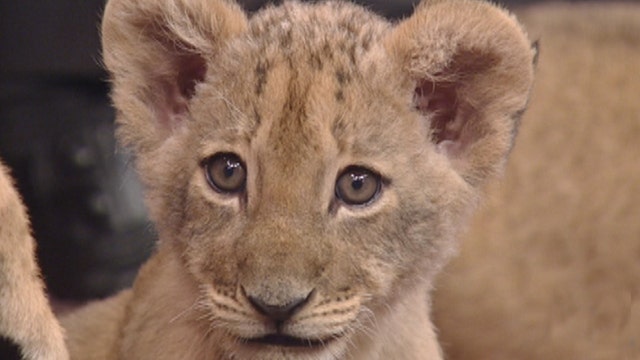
207 162
381 182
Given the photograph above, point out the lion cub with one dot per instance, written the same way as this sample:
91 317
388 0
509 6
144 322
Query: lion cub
308 170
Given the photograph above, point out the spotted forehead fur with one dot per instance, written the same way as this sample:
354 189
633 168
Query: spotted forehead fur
307 42
328 34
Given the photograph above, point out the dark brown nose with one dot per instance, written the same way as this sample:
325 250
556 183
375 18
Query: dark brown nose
278 313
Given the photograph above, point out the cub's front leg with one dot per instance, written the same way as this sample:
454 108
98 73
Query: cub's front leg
25 315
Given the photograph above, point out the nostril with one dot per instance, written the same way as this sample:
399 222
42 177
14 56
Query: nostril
278 313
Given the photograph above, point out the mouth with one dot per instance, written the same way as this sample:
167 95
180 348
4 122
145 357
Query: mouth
289 341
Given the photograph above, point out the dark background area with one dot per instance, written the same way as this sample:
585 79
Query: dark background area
56 133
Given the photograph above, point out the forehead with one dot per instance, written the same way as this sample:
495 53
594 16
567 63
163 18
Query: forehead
319 31
301 74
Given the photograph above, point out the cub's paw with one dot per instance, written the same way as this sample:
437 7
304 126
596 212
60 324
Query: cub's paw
25 315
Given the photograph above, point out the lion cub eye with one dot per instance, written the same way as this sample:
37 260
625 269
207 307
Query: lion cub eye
358 186
225 173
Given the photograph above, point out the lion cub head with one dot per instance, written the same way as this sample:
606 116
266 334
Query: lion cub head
312 164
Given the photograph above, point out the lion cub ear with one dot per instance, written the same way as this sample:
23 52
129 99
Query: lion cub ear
157 51
469 66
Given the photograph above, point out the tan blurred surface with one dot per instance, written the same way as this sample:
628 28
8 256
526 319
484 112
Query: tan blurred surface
551 267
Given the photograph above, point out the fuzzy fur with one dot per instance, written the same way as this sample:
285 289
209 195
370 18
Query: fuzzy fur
300 93
25 315
551 268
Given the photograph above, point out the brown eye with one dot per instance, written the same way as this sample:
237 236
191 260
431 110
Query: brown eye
358 186
225 173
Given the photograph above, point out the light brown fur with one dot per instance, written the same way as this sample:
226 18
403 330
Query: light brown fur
25 315
551 268
300 93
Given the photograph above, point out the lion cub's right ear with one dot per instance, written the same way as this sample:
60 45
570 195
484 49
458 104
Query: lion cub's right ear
157 51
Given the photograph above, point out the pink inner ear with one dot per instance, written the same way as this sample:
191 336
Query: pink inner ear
190 69
438 102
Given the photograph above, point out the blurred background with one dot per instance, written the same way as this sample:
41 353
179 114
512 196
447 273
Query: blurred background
56 133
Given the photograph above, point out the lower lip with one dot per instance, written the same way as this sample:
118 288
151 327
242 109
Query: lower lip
289 342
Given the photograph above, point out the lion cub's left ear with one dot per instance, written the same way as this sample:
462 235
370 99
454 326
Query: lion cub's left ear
470 68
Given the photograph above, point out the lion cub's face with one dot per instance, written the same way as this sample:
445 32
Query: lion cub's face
307 164
312 190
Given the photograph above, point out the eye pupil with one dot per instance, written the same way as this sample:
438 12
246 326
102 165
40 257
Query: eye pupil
230 169
357 181
225 173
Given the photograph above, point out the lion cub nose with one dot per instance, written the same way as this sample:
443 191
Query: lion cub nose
278 312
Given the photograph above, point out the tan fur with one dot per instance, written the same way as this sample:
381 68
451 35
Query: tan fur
551 269
301 92
25 315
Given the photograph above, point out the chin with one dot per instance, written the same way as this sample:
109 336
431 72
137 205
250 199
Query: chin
287 348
